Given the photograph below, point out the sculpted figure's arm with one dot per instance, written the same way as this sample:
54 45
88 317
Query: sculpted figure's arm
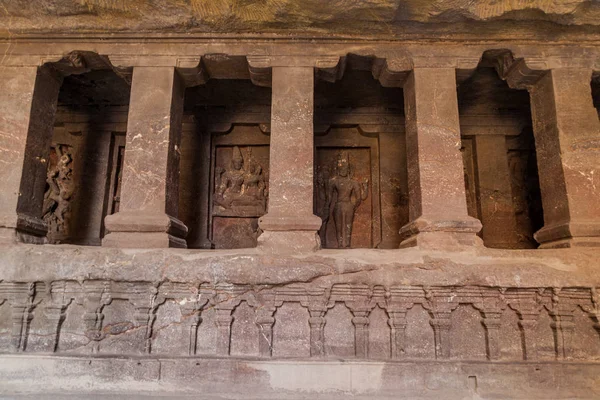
221 182
364 190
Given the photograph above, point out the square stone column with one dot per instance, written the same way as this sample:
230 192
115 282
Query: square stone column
28 98
438 215
290 224
495 192
147 216
567 141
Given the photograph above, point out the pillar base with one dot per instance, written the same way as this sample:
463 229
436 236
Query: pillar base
23 229
278 222
569 234
441 234
144 230
291 242
289 234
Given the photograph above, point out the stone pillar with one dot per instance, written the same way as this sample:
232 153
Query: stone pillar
495 193
265 322
147 216
28 101
317 336
567 138
491 322
441 325
437 201
528 324
397 323
223 321
361 333
290 224
563 328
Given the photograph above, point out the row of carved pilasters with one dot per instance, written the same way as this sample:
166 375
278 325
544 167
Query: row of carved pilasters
31 300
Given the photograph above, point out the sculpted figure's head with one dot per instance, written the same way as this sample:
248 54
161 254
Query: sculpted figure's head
343 164
236 160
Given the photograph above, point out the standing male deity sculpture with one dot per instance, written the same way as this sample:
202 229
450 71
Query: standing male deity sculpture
349 194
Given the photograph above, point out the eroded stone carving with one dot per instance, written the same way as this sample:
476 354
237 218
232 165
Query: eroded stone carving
241 189
343 196
57 199
144 298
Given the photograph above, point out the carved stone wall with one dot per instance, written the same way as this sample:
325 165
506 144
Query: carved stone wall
395 322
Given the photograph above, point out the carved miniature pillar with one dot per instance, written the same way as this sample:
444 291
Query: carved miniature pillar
29 100
145 304
20 300
223 321
441 332
96 296
55 314
491 323
528 323
563 328
265 322
147 216
437 200
193 313
317 337
361 333
290 223
397 323
567 138
495 192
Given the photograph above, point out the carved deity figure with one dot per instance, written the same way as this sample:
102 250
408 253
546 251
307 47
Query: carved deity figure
57 199
349 194
240 190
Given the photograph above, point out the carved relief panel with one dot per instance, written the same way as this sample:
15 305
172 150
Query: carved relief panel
59 192
347 189
239 186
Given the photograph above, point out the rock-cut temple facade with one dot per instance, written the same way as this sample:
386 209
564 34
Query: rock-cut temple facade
300 199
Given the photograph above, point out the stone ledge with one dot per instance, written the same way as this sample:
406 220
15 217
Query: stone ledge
481 266
294 379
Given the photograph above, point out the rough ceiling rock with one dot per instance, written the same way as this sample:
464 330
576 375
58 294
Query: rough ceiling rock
389 18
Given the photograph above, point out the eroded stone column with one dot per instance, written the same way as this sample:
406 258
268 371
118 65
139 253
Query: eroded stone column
491 322
495 193
567 139
441 324
290 224
28 101
397 323
437 202
147 216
